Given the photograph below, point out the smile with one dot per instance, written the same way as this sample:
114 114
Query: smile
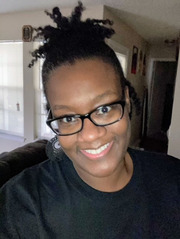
97 153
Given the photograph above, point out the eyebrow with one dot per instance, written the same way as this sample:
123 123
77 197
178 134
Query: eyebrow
60 107
105 94
96 99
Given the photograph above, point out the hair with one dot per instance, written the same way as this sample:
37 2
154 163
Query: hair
73 39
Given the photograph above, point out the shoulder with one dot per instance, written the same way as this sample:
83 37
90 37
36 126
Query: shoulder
156 169
32 178
47 172
148 157
19 197
23 196
29 176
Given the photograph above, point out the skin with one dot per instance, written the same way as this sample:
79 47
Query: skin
78 89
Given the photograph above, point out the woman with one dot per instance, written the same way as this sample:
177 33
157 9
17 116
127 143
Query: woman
94 186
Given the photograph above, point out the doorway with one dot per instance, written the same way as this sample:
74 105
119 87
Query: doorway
160 111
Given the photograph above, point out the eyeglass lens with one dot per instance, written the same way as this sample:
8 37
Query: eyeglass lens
102 116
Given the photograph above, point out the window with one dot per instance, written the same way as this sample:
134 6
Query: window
11 88
42 130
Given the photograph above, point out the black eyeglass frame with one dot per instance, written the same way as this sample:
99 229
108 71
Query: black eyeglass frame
83 117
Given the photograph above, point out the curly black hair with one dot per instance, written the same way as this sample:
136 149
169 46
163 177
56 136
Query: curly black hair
73 39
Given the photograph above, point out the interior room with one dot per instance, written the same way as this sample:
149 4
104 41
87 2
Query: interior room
146 42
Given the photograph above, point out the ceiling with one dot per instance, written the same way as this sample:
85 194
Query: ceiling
154 20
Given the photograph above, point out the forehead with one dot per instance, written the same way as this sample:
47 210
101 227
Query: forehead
83 81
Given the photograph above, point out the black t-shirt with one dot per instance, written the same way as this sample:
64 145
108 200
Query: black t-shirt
50 200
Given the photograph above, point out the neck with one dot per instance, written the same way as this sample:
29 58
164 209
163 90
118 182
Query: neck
114 182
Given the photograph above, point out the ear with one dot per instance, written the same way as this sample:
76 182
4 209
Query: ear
127 99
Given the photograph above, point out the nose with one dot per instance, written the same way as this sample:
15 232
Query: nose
91 132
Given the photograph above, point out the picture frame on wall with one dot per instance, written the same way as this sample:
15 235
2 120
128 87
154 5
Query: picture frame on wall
134 60
144 65
140 62
27 31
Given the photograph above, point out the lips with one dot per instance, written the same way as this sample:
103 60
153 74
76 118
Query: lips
97 153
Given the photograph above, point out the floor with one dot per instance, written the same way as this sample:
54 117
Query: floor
9 142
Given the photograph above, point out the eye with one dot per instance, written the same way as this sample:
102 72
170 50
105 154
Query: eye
104 109
68 119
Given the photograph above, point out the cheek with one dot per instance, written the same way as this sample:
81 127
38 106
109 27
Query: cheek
68 142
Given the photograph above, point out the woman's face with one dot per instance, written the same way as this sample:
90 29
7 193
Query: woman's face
78 89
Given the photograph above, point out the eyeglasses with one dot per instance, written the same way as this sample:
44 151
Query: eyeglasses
72 124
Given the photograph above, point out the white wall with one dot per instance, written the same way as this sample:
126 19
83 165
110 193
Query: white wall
11 24
163 51
174 131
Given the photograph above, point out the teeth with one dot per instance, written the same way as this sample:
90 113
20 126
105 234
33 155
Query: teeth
97 151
